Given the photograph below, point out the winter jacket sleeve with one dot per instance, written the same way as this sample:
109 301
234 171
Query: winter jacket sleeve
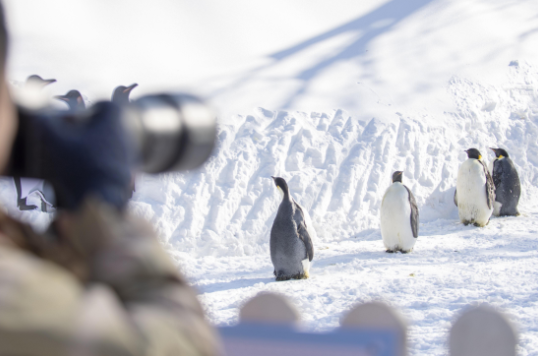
104 286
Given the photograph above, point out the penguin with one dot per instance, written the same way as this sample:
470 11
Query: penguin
120 95
475 190
507 185
291 245
399 217
37 82
27 186
74 100
31 95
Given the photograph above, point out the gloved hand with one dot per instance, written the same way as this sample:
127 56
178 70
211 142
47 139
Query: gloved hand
89 154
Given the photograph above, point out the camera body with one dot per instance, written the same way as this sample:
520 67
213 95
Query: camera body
96 151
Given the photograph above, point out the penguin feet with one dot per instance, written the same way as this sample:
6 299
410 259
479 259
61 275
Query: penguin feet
509 214
300 276
23 206
398 250
295 276
479 225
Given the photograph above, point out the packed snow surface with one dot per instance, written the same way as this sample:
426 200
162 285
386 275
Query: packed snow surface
216 222
333 97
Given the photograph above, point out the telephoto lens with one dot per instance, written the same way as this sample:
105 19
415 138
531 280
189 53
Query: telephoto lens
95 151
171 132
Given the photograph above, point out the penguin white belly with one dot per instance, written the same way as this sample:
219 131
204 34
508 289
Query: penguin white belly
472 199
396 219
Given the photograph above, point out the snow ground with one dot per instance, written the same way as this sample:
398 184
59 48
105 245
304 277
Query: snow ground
298 87
451 267
339 168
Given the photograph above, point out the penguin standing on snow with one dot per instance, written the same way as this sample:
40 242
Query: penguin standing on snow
27 186
399 217
290 244
36 81
475 190
507 185
120 95
74 100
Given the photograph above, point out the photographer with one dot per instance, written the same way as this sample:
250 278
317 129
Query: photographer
98 283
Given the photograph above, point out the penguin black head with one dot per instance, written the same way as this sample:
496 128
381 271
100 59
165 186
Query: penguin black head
397 176
74 99
281 184
499 152
473 153
37 81
121 94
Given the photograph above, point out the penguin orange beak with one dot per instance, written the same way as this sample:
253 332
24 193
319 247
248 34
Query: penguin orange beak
49 81
130 87
61 97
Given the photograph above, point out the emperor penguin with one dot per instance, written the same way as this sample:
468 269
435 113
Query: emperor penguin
120 95
291 245
74 100
475 190
31 94
36 81
507 185
399 217
28 186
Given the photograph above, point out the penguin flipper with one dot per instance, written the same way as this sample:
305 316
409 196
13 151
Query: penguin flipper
490 186
497 172
302 231
305 236
456 197
414 213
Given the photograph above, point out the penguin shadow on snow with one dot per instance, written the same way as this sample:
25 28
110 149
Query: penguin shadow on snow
372 256
443 227
234 284
368 235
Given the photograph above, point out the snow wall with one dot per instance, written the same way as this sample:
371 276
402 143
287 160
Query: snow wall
338 168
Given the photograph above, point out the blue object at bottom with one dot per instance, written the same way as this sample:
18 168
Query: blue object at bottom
262 339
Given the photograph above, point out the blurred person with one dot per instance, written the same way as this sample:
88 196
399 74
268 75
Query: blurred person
98 282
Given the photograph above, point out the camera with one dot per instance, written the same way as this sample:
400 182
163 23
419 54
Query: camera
95 151
172 132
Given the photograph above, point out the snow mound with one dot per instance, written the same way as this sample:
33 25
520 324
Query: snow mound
338 167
